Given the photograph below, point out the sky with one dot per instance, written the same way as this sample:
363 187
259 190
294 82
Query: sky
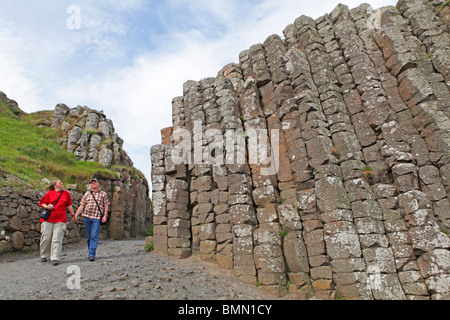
130 58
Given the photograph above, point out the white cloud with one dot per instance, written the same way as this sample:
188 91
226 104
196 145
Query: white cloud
136 93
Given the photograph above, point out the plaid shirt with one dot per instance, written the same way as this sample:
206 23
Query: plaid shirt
90 207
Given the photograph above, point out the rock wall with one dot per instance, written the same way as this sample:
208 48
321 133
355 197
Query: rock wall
90 135
129 214
355 107
19 220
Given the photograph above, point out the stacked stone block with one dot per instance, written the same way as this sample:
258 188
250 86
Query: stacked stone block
179 224
357 207
424 93
200 179
223 231
241 211
271 271
159 203
214 153
371 98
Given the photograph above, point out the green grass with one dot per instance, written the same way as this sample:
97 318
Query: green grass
32 152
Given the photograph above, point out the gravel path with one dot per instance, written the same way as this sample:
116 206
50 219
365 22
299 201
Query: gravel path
122 270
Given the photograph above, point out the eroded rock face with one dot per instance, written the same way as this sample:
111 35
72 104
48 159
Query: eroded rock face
356 205
90 136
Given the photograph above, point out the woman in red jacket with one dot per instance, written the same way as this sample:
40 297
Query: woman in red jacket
52 229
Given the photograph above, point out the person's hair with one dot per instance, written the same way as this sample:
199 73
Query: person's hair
52 185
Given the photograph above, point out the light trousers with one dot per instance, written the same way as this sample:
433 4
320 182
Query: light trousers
52 235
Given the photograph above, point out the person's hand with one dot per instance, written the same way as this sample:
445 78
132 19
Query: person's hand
74 218
104 219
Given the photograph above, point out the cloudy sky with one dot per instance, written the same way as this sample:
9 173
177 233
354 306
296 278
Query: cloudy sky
129 58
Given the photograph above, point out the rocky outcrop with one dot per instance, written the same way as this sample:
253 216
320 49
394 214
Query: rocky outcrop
90 135
130 214
320 160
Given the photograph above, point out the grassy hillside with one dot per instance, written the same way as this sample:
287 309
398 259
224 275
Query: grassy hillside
29 153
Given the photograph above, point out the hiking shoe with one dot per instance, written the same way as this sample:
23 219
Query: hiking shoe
91 259
43 260
55 262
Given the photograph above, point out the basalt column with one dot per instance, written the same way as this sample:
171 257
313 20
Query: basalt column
318 165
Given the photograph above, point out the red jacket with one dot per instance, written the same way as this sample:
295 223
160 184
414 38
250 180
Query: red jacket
59 213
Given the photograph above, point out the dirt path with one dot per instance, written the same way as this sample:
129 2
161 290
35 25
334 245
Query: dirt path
122 270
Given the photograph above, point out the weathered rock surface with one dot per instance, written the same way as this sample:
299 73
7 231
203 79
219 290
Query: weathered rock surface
91 137
357 203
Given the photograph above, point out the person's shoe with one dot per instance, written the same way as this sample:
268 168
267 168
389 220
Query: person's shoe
55 262
91 259
43 260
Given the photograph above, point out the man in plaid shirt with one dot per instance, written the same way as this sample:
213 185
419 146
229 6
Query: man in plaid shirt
93 214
